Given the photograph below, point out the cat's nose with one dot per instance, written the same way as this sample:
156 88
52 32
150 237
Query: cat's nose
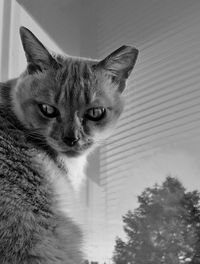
71 141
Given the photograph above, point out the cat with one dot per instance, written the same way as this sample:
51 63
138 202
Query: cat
51 117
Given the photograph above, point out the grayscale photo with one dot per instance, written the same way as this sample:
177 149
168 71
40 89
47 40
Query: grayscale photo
99 132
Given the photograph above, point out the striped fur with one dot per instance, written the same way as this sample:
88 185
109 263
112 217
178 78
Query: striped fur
32 229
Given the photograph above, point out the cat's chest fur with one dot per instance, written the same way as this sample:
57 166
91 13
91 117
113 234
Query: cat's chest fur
65 176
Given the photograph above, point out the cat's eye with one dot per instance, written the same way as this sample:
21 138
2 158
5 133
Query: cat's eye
48 110
95 114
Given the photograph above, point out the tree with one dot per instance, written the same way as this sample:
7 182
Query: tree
164 229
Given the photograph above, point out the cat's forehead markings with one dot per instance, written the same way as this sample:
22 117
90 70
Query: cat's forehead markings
75 82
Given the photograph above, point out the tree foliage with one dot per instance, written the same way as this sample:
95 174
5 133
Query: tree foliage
164 229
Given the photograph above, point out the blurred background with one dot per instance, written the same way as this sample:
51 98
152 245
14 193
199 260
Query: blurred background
159 132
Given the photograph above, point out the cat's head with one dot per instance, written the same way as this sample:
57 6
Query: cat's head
72 103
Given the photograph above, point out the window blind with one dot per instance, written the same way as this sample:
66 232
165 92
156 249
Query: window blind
163 93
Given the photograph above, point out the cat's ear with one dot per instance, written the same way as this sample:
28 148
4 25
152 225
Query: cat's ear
37 55
120 63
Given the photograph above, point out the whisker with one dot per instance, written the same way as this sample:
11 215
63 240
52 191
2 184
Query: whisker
105 142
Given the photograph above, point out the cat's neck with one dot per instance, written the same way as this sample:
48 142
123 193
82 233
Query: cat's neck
65 176
74 167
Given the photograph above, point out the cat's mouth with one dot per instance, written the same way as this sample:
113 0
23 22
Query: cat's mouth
77 150
73 151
